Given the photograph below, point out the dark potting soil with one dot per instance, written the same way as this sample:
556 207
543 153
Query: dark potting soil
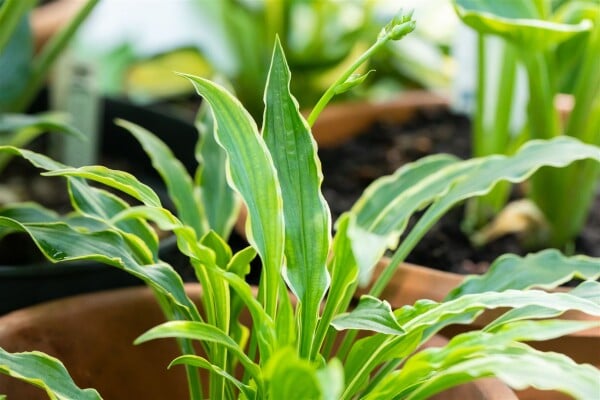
351 167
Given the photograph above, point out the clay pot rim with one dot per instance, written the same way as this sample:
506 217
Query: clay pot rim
487 388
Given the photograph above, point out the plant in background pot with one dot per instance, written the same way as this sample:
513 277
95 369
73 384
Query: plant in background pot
557 46
290 349
25 277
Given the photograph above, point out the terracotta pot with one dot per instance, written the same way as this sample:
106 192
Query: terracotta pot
92 334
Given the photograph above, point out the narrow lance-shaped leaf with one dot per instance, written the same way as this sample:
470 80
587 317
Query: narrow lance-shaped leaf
197 361
250 171
427 317
61 242
307 217
221 204
120 180
205 332
547 269
470 178
176 178
589 290
383 210
45 372
104 205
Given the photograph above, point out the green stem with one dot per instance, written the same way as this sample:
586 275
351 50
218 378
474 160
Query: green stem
587 91
50 52
185 345
492 129
11 13
413 238
394 33
584 124
548 186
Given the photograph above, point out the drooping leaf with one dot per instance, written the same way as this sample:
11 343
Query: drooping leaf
204 332
26 212
476 354
547 269
48 121
383 210
45 372
99 203
221 204
61 242
197 361
307 216
250 172
518 21
120 180
177 180
371 314
450 185
589 290
490 300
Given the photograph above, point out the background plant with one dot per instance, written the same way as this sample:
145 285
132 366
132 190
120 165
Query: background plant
23 73
289 351
556 43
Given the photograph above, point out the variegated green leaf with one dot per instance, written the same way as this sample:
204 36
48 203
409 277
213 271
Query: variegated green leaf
116 179
371 314
45 372
589 290
61 242
177 180
383 210
449 186
251 172
307 216
519 21
204 332
197 361
547 269
26 212
476 354
221 204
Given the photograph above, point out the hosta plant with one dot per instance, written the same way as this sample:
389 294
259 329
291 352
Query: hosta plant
557 44
310 347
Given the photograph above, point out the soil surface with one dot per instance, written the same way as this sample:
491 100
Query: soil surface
349 169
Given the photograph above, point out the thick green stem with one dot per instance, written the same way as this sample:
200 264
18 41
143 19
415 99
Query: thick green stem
395 33
584 124
491 133
547 185
50 52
